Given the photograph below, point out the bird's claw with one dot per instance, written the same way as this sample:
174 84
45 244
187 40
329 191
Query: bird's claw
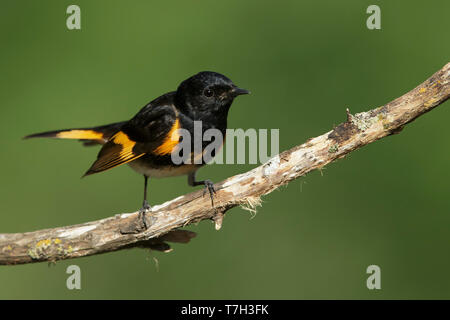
209 186
145 208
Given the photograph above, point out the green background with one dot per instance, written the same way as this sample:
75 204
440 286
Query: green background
305 62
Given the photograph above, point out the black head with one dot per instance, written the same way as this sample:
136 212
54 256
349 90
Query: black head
207 93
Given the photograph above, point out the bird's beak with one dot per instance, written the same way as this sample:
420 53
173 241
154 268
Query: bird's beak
238 91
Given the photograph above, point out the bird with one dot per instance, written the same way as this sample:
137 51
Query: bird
146 141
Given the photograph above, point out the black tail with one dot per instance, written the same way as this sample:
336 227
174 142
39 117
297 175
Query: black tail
89 136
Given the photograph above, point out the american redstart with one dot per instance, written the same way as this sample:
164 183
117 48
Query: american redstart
147 140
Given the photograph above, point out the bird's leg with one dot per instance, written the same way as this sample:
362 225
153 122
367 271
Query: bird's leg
145 206
209 186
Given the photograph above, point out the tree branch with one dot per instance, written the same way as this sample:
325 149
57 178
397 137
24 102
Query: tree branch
124 231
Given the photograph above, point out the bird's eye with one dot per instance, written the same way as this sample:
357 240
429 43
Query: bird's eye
208 93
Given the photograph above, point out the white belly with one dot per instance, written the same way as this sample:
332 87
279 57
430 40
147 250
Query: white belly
168 171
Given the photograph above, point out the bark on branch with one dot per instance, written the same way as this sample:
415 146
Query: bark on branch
123 230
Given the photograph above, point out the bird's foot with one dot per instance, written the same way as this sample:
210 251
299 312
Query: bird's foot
145 208
209 186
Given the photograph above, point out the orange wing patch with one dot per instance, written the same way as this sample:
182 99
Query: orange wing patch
171 140
126 143
119 150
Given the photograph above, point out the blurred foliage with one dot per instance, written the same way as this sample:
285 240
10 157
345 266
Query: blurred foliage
305 62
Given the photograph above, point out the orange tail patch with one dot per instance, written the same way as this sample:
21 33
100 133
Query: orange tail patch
80 134
88 135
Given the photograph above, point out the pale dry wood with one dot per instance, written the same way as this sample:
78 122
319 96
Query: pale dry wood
124 231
